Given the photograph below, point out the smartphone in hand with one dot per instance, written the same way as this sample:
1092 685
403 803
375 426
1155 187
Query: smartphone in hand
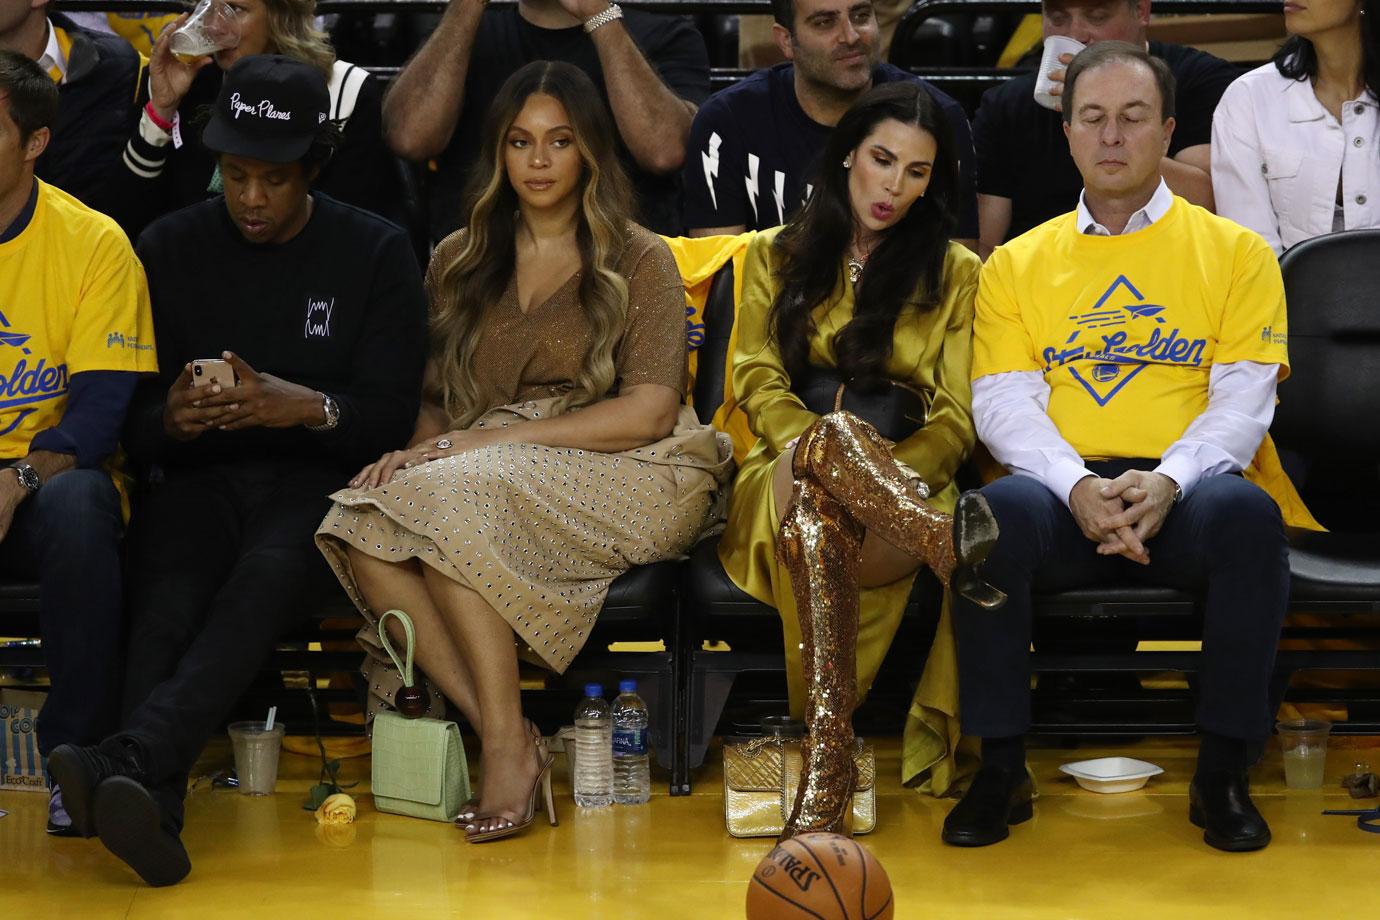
206 371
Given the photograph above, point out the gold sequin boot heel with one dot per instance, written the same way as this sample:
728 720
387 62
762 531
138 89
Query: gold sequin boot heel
847 457
820 545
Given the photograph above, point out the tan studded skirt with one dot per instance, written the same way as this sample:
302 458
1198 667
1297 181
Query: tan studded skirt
539 532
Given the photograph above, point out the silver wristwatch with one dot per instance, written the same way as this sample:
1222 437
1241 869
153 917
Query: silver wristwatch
332 411
598 20
28 477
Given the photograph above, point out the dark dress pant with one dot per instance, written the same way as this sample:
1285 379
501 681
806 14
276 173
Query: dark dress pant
67 537
1225 541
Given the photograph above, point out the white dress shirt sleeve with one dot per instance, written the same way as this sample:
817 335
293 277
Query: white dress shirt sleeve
1224 439
1238 182
1011 414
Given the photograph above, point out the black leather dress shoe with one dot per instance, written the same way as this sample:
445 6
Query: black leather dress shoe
998 798
1220 803
131 827
77 771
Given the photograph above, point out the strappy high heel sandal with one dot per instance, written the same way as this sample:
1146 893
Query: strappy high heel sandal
470 810
509 828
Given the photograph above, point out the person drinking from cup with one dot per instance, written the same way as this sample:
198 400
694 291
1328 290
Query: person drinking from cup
167 167
292 344
1132 407
1025 173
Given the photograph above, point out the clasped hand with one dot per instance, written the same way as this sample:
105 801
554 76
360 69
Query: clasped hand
256 401
382 470
1121 515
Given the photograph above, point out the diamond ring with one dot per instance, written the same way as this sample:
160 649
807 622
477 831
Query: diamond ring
443 444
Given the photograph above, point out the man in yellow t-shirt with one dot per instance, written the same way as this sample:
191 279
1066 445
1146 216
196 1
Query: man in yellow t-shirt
1125 358
76 330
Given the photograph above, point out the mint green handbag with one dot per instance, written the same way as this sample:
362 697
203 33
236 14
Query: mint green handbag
419 764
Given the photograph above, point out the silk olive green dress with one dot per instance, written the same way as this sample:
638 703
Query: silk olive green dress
931 352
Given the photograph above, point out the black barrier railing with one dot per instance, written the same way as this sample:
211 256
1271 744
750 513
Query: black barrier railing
926 9
684 7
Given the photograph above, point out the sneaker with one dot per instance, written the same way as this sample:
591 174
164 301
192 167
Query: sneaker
77 771
131 827
59 821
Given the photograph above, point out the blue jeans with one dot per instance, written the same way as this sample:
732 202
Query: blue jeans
67 537
1224 541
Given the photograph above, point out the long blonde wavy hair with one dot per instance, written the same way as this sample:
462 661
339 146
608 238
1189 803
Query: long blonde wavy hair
480 273
292 31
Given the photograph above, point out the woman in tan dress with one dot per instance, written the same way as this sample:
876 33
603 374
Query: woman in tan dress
553 451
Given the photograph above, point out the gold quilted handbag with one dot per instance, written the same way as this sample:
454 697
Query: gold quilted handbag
760 781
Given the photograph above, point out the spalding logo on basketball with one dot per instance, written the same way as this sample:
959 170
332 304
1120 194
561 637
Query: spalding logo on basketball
823 876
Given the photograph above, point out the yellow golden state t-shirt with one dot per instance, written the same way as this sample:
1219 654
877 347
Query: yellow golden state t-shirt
73 298
1126 329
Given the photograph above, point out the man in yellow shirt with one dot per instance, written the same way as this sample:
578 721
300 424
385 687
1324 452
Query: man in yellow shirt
1125 358
76 331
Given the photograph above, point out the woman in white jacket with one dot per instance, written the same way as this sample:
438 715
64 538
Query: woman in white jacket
1294 142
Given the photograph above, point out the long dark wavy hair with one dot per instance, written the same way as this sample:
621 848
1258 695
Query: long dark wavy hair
480 273
906 267
1297 59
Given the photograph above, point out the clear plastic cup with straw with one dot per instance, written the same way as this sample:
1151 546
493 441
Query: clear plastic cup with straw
257 745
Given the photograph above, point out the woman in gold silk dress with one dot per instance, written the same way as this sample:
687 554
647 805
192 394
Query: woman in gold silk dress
866 284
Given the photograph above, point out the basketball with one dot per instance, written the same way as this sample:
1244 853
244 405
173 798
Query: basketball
824 876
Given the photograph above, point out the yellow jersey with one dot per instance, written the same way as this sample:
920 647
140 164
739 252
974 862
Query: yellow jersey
73 298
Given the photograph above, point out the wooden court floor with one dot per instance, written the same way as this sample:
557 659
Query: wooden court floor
1083 856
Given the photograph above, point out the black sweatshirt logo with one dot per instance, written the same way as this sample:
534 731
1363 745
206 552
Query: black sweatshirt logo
318 324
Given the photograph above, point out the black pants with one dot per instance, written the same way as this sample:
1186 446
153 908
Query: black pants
222 564
1225 539
67 536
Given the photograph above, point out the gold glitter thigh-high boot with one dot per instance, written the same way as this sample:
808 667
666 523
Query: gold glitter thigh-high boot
847 457
820 545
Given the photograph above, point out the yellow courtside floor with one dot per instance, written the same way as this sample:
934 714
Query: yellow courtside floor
1083 856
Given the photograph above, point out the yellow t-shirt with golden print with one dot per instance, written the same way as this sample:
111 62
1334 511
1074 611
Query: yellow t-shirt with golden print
1126 329
73 298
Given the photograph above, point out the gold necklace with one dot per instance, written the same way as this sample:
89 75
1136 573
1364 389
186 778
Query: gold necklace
856 265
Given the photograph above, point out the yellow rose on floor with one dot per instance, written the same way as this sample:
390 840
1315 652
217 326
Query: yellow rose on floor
337 809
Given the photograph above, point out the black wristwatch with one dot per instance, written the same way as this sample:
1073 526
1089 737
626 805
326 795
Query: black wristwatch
28 477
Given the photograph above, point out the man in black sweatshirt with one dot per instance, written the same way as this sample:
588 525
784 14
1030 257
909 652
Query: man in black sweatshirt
317 311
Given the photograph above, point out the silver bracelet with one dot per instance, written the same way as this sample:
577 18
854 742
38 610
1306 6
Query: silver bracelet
613 12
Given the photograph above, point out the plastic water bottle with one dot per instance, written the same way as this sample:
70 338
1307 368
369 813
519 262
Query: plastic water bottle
593 750
632 781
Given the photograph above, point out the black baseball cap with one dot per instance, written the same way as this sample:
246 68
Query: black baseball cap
270 108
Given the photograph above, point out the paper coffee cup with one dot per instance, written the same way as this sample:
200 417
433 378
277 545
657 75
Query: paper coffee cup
1055 47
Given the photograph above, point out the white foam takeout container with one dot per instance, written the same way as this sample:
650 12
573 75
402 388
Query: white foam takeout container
1111 774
